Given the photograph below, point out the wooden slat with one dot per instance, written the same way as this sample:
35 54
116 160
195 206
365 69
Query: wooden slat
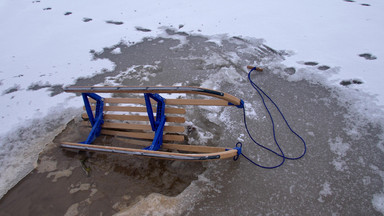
126 100
127 126
201 102
169 110
175 119
166 137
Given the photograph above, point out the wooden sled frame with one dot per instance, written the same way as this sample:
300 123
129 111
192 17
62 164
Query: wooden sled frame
104 123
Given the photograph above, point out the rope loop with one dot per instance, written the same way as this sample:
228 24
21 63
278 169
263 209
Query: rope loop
280 153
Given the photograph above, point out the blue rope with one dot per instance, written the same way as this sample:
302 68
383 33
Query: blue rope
281 154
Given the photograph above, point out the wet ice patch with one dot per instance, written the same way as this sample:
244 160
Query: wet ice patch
60 173
46 165
80 187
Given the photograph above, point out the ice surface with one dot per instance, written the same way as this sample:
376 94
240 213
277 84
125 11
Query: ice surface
338 147
321 43
325 191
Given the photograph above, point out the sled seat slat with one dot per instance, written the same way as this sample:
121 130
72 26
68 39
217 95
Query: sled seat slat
126 126
169 110
138 135
175 119
201 102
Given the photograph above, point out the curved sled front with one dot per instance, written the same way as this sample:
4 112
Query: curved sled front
148 121
156 89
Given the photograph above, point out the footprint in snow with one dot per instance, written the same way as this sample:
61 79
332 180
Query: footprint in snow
368 56
11 90
114 22
86 19
290 70
350 82
323 67
311 63
143 29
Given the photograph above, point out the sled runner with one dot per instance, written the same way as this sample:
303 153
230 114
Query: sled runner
152 121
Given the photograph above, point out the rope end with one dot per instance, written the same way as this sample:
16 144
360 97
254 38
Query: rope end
255 68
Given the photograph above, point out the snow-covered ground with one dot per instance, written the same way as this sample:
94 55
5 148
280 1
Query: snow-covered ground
41 46
48 44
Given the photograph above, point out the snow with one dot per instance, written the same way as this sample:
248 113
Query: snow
45 48
325 191
378 198
338 147
54 48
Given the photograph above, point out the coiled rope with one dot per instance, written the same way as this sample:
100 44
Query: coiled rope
281 154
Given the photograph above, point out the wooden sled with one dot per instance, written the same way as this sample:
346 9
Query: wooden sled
133 120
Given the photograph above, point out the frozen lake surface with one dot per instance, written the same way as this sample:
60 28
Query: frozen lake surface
341 173
323 66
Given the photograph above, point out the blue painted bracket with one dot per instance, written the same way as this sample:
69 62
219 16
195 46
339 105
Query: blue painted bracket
238 148
238 106
97 119
157 123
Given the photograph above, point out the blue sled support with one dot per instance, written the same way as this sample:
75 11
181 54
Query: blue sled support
97 119
157 123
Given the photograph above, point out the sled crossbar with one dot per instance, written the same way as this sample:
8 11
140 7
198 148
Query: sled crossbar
147 122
